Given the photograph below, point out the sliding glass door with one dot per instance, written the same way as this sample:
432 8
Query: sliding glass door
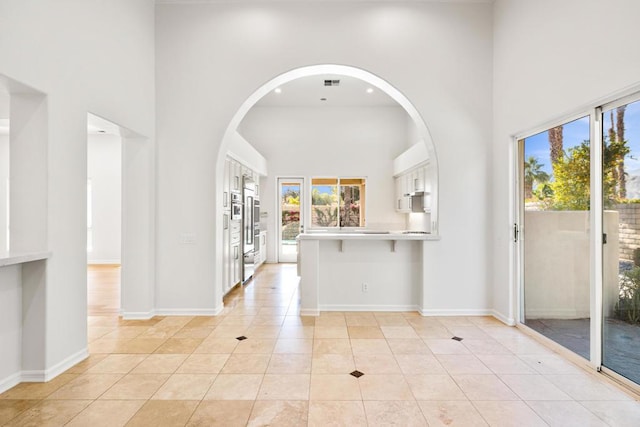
621 225
555 216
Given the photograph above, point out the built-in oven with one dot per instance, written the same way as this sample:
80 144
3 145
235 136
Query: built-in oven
236 206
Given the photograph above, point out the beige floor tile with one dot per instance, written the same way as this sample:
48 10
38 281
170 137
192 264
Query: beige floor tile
263 331
103 345
135 386
235 387
525 346
331 332
398 332
377 364
344 413
586 387
419 364
160 364
299 332
125 332
454 321
197 333
333 320
508 414
234 331
451 414
370 346
164 413
365 332
487 346
433 332
246 364
568 414
533 387
185 387
618 414
237 320
384 387
462 364
468 332
160 332
256 345
217 345
86 386
219 413
139 345
331 346
394 413
329 363
551 364
204 322
334 387
391 319
117 364
284 387
446 346
87 363
505 364
107 413
263 320
484 387
280 413
299 321
407 346
49 413
203 364
361 319
29 391
9 409
294 346
289 364
179 346
434 387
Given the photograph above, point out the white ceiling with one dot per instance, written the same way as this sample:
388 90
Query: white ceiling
308 91
323 1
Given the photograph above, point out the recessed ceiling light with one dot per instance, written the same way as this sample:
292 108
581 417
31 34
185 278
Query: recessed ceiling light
369 90
278 90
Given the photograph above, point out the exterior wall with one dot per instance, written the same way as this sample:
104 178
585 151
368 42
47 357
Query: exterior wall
629 229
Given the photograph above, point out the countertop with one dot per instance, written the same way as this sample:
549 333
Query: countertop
365 235
11 258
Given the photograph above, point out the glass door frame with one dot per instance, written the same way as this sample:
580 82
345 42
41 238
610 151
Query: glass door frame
595 237
278 220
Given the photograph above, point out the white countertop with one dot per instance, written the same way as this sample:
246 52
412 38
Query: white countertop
365 235
11 258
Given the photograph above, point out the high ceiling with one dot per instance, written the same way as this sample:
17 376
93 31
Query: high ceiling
324 1
310 92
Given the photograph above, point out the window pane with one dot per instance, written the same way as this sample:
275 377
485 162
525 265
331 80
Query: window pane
351 208
324 202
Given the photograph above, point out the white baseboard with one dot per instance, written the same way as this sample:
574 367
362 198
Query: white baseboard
103 262
455 312
137 315
11 381
309 312
188 311
347 307
41 376
504 319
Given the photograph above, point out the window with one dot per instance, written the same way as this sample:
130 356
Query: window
89 216
338 202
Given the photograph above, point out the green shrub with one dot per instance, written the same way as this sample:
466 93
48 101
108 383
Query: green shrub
628 306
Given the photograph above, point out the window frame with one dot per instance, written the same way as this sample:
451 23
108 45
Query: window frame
338 178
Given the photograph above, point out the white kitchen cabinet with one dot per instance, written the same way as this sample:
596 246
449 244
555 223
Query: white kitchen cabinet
262 255
402 201
236 177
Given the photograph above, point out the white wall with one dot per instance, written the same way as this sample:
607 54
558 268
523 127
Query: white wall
550 58
104 169
4 175
95 56
211 57
333 141
10 325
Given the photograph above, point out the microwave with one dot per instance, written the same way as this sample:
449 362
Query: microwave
236 211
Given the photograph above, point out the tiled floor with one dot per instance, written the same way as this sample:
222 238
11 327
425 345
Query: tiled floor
295 371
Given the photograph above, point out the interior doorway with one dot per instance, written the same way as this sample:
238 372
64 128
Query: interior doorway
104 216
290 217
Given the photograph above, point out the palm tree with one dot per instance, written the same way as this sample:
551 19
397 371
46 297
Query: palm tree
555 144
533 173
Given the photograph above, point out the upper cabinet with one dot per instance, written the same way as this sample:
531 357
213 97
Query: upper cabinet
414 182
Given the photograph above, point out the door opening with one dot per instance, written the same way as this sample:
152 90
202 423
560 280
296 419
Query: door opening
290 217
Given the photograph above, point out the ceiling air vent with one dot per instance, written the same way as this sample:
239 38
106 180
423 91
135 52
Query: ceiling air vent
332 82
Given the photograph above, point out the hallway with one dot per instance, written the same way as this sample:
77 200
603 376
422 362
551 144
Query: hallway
259 363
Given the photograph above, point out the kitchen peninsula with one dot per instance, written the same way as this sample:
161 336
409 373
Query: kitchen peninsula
361 270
